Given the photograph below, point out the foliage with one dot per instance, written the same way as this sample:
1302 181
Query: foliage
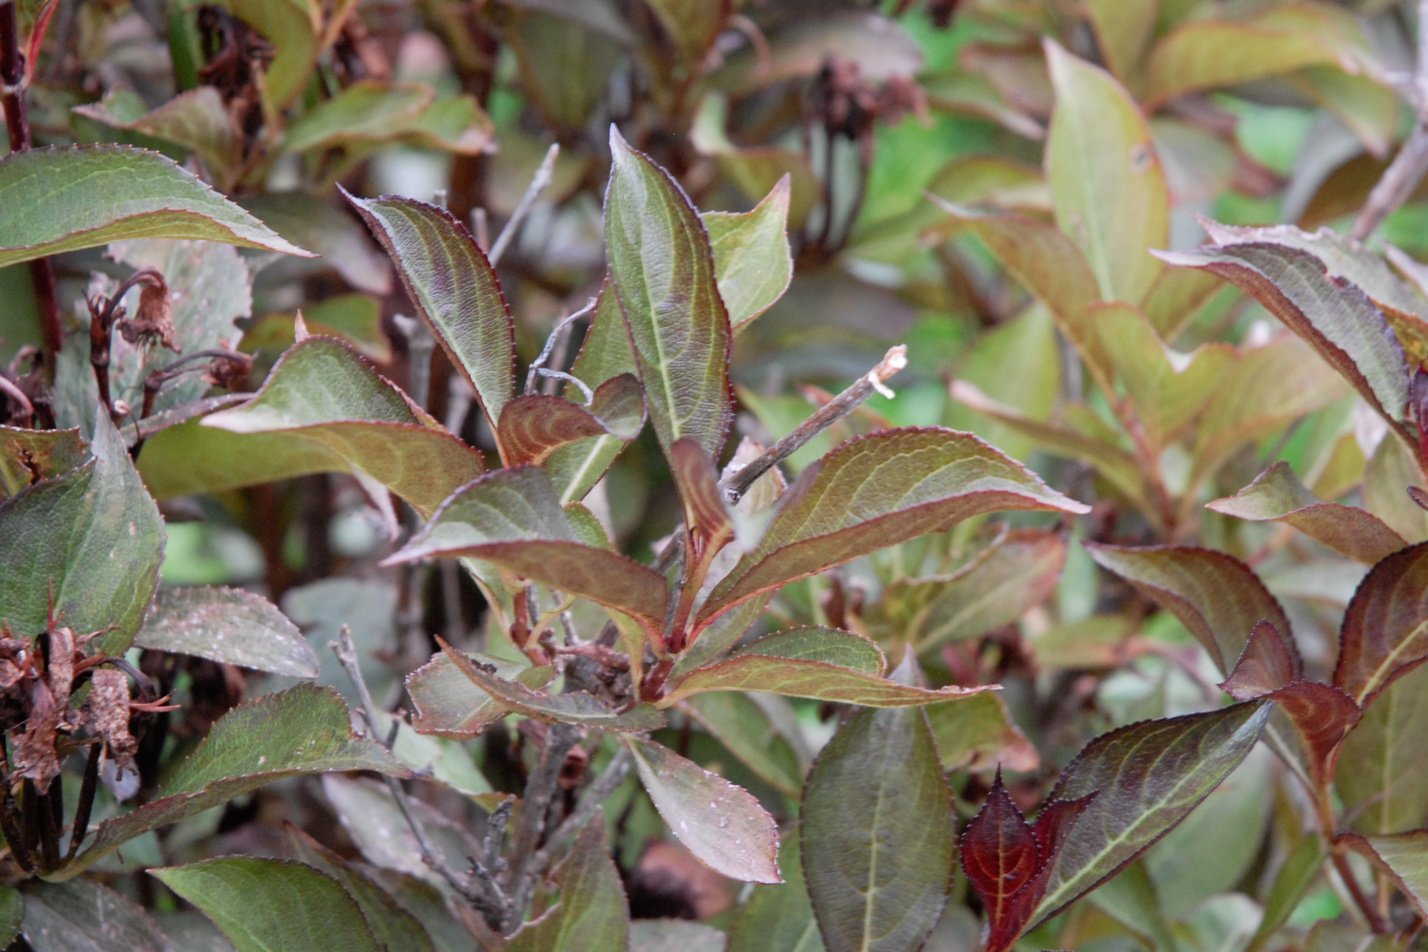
308 470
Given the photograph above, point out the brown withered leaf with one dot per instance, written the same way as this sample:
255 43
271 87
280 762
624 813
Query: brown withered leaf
35 756
107 714
153 322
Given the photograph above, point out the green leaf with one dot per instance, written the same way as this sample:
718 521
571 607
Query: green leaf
270 905
322 409
693 25
1405 856
1385 630
752 261
1146 778
1215 595
511 518
30 456
230 626
1207 53
663 276
877 491
452 285
721 824
12 911
305 219
1106 178
592 912
1379 774
811 663
1298 870
448 703
1166 390
761 730
92 540
1122 32
535 426
877 833
85 916
573 708
676 935
778 916
293 28
367 111
390 925
1334 316
303 730
996 587
978 733
98 194
1277 495
198 120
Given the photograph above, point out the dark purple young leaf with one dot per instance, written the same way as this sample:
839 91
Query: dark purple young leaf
1267 663
452 285
1146 778
1000 856
662 272
1215 595
1385 630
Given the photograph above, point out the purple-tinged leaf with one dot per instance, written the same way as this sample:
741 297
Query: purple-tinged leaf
1001 857
1106 179
511 518
304 730
572 708
877 833
1267 663
1215 595
1379 775
323 408
1404 856
708 521
877 491
720 823
1385 630
593 912
453 286
447 703
535 426
662 272
751 255
1334 316
819 663
1146 778
1276 495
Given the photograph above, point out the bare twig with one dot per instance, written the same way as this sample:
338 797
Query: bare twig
535 805
539 182
874 381
1408 166
539 363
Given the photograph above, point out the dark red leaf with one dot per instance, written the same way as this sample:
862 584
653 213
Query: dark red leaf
1385 631
1267 664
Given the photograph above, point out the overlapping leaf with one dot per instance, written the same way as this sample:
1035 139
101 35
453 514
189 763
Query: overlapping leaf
1337 318
230 626
303 730
511 518
592 912
1146 777
662 272
752 261
575 708
1404 856
86 916
535 426
1385 630
86 544
877 491
1276 495
1215 595
720 823
196 119
301 907
102 193
448 703
877 833
1380 776
820 663
1106 179
448 278
322 409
